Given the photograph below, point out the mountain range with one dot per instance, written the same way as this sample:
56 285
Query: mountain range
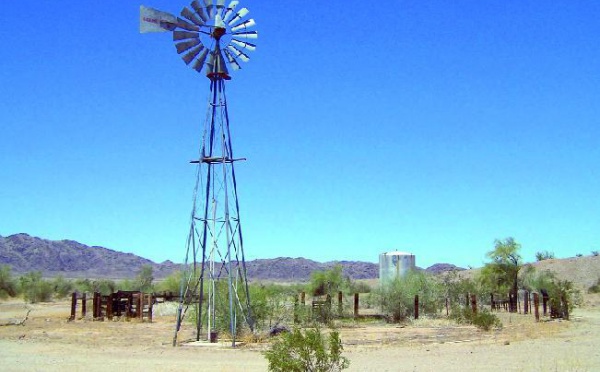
24 253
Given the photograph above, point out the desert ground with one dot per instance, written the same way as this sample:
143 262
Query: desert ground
47 341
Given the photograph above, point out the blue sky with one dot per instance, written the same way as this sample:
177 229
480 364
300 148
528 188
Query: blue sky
432 127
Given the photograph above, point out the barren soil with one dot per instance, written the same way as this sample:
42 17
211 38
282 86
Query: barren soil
48 342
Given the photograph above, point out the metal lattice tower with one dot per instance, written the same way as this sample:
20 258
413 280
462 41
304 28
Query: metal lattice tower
215 284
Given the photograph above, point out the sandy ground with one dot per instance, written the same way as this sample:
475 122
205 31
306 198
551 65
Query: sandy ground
48 342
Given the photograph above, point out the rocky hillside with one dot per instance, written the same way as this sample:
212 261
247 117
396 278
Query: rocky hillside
71 259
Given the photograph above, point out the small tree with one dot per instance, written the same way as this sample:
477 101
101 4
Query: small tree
309 350
502 273
145 278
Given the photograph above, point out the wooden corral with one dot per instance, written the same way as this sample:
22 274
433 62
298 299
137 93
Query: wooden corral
128 304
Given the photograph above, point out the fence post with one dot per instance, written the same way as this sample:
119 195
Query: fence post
150 306
83 304
526 303
356 305
545 303
416 306
536 306
492 306
140 306
303 298
109 306
340 303
447 307
73 305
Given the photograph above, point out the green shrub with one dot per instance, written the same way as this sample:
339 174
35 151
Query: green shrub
269 305
34 288
62 287
595 288
595 253
483 319
8 286
329 281
397 296
309 350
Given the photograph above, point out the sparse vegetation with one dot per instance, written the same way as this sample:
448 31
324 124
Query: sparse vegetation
544 255
307 350
595 253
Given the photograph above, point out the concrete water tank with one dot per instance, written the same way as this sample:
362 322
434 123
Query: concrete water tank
395 264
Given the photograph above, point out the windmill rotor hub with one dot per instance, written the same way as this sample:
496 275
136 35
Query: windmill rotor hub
218 32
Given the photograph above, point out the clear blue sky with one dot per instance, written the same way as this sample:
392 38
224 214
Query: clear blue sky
433 127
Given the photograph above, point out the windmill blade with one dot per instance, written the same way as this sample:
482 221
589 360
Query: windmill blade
219 21
246 34
182 35
200 61
187 13
209 8
199 10
243 44
182 23
238 16
185 45
230 9
220 4
232 62
193 53
244 25
238 53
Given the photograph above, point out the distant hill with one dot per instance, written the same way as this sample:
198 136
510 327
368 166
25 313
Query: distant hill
71 259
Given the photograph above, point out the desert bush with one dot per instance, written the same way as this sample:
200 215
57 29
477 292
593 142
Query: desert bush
544 255
595 253
269 304
8 285
309 350
483 319
34 288
579 255
595 288
171 283
396 297
454 287
329 281
62 287
359 287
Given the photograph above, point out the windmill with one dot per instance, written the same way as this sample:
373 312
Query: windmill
211 37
